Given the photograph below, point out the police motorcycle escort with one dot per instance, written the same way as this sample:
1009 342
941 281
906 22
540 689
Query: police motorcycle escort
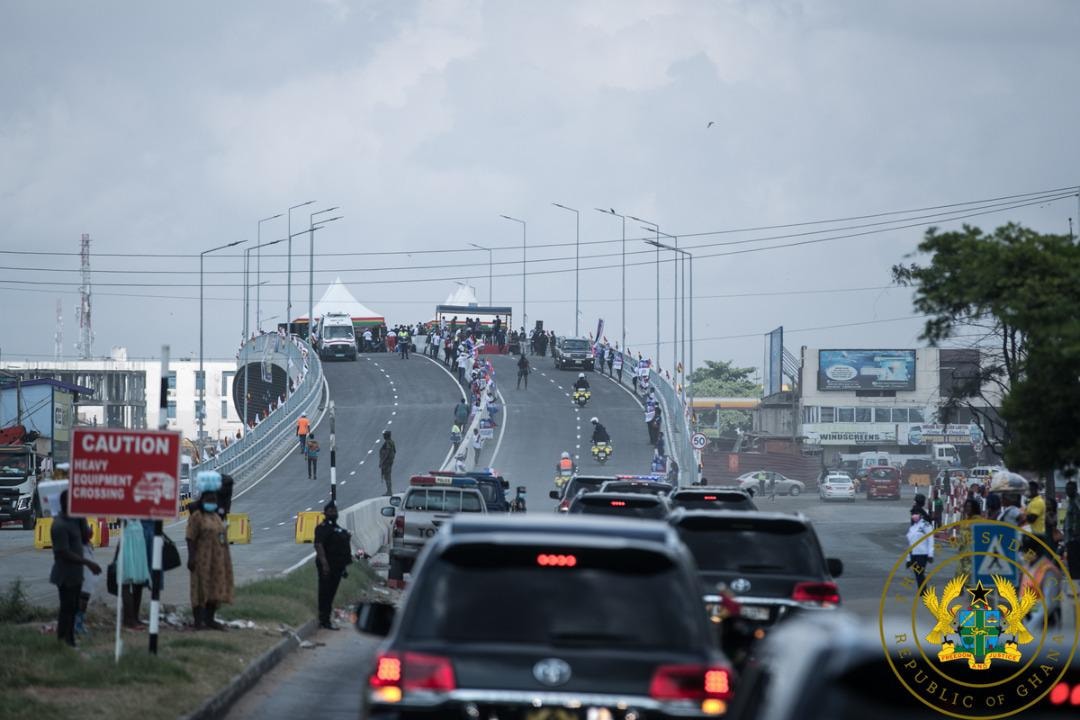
602 448
564 470
582 394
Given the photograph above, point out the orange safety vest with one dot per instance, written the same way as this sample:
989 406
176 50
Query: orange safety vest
302 426
566 464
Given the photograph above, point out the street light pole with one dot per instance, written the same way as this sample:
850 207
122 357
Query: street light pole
311 261
258 271
288 282
202 372
657 228
243 346
577 266
612 212
524 235
481 247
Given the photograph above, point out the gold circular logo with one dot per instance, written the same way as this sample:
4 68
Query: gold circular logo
977 634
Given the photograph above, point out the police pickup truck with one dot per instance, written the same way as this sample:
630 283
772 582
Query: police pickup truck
428 503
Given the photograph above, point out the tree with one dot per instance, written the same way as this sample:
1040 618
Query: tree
1013 295
720 378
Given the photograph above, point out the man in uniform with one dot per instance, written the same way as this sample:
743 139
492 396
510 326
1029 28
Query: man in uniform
333 554
387 452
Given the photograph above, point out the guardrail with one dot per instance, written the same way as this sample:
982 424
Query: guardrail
267 443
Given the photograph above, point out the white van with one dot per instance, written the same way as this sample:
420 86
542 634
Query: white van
335 336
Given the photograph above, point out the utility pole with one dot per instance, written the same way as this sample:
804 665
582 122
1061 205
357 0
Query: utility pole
156 566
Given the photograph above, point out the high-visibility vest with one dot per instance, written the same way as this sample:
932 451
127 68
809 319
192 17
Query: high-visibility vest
302 426
566 464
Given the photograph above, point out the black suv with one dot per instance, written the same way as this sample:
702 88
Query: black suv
624 504
644 487
572 352
757 569
577 485
713 498
540 616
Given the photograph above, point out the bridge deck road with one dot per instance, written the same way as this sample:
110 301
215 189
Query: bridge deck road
413 398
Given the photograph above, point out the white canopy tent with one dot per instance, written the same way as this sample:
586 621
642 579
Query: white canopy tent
338 299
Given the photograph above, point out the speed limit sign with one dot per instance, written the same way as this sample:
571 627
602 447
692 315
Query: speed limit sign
698 441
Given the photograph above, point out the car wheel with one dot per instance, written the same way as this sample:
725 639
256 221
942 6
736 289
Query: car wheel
396 570
794 492
29 521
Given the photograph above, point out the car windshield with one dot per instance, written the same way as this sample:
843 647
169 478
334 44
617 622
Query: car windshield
338 332
578 484
882 474
491 493
838 480
13 466
438 500
713 501
784 548
575 345
642 506
489 594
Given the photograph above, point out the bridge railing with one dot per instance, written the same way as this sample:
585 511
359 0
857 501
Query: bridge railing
263 446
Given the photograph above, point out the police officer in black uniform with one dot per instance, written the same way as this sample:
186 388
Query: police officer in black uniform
333 554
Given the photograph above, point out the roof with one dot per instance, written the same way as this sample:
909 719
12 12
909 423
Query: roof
338 299
464 295
58 384
562 528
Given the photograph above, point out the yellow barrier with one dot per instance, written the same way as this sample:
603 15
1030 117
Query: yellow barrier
239 529
99 533
305 526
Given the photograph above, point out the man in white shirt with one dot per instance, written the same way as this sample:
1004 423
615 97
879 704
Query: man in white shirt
920 538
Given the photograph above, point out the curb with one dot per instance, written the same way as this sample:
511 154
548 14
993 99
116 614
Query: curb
218 706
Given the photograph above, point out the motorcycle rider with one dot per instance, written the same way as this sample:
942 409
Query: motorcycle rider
599 433
565 467
582 382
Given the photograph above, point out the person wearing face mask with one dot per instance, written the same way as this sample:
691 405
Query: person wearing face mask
333 554
209 560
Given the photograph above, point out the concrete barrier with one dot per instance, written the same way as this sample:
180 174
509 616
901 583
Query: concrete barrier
370 530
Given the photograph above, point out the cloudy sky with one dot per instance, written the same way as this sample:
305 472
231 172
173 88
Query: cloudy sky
165 129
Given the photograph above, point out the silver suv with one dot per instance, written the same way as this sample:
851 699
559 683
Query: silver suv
426 505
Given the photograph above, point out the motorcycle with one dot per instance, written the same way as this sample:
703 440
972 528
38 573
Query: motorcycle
562 477
518 504
601 451
581 396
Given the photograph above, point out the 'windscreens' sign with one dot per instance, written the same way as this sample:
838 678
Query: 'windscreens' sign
866 370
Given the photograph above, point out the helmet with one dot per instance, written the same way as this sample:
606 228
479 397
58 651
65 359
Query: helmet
594 420
566 456
581 375
303 414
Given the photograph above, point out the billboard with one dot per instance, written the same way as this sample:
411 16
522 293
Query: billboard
125 473
774 362
849 433
866 370
935 434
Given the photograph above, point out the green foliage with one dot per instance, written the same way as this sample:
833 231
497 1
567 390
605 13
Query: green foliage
1021 289
720 378
15 606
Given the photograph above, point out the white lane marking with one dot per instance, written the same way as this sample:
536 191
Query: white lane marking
502 427
298 565
344 481
389 422
361 462
369 452
308 510
266 528
354 472
280 524
395 412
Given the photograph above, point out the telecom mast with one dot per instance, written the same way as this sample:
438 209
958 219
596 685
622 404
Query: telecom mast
86 332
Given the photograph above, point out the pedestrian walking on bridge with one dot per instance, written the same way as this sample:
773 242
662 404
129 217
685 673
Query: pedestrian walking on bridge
386 460
303 427
311 450
523 371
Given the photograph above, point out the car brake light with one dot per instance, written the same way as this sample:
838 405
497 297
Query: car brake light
549 560
399 526
709 497
691 682
618 503
1060 694
820 593
564 506
395 674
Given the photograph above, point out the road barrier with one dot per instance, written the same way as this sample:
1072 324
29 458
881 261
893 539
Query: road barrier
263 446
306 522
99 533
370 530
239 529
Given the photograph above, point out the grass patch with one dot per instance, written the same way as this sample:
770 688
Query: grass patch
15 606
42 679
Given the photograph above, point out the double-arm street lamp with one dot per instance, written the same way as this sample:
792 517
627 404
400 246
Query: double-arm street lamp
202 371
675 334
611 211
685 254
288 293
488 250
577 265
657 229
312 227
524 235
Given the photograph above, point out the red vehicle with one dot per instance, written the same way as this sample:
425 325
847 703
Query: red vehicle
882 481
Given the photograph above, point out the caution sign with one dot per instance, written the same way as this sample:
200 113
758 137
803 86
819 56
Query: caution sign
1001 543
125 473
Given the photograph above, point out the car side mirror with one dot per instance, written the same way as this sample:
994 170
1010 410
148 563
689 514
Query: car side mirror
374 618
395 501
836 566
554 494
752 491
387 511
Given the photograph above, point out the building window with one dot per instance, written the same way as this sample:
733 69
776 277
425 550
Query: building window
864 414
882 415
224 409
915 415
845 414
828 415
899 415
200 411
811 414
200 380
226 377
171 410
172 380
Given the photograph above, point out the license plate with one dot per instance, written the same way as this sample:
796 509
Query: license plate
754 613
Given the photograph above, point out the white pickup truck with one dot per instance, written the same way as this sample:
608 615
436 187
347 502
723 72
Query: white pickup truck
426 505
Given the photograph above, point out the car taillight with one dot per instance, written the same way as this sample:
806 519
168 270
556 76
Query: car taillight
399 526
618 503
396 674
564 506
692 682
825 594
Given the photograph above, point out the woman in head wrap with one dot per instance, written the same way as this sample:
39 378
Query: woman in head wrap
208 553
